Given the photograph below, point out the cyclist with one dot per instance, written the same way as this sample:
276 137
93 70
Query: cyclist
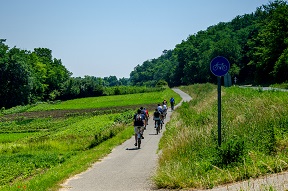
147 115
139 121
164 108
160 109
172 103
143 111
156 117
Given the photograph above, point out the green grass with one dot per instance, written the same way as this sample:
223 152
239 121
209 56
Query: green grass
50 178
254 138
97 102
282 86
12 137
108 101
27 156
39 153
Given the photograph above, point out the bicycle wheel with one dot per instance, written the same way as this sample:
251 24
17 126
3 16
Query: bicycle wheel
158 127
139 143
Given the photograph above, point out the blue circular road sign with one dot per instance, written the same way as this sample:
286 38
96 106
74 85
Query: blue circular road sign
219 66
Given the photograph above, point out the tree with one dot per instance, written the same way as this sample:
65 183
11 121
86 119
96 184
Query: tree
15 81
91 86
269 44
53 73
161 83
71 88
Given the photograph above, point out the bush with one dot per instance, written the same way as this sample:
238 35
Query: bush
231 151
161 83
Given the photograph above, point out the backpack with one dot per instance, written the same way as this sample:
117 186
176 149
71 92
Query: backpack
138 118
143 112
157 114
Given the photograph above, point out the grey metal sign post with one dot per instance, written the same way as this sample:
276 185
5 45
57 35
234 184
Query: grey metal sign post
219 66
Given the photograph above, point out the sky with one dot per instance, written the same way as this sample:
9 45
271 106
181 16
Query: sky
105 38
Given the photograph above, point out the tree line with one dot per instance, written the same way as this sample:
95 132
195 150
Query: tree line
27 77
255 44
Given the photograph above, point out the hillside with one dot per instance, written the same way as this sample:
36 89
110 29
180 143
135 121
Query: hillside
255 45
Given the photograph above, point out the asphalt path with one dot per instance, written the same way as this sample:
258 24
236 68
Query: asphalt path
265 88
126 167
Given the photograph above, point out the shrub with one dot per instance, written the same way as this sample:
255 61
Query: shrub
230 152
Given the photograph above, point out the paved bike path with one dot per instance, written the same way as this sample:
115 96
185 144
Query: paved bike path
125 168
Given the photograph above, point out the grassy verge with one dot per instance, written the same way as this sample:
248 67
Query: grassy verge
282 86
254 135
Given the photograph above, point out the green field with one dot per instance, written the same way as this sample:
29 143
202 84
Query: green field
39 153
106 101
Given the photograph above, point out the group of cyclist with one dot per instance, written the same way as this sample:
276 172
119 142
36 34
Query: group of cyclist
142 116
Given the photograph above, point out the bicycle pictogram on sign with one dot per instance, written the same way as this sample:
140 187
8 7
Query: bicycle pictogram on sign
219 66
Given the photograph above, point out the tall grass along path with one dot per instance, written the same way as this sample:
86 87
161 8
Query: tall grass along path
125 168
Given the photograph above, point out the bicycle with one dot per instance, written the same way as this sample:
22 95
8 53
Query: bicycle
172 106
146 121
158 124
162 117
164 114
139 137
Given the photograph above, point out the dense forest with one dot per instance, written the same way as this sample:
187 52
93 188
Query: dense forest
255 44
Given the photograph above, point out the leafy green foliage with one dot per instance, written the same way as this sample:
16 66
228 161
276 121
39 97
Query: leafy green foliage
123 90
28 77
230 152
23 166
255 45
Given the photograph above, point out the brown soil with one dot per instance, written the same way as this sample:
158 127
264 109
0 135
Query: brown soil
65 113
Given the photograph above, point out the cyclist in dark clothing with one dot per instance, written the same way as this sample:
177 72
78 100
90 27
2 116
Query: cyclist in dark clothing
139 122
143 111
156 116
172 103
